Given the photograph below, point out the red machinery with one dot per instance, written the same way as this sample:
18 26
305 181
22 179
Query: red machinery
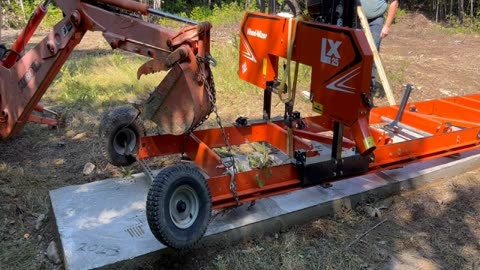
26 76
182 196
341 61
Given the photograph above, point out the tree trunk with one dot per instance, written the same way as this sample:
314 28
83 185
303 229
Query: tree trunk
157 4
471 8
23 9
461 11
437 7
444 14
451 8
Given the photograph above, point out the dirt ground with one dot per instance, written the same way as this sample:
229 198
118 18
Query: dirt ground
437 227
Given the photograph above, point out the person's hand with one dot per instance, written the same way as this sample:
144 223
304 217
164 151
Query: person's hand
385 31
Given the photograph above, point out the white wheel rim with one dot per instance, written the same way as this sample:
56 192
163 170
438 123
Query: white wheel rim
184 207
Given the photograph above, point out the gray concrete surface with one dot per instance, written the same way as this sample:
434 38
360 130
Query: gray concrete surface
103 224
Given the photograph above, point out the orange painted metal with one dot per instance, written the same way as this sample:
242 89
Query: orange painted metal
427 117
280 179
340 59
128 5
24 80
341 63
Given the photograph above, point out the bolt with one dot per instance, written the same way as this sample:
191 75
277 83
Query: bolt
75 18
50 47
3 117
478 135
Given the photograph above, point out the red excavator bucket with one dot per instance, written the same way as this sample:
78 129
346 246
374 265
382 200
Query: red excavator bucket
180 102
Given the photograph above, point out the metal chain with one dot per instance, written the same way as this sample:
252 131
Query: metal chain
210 88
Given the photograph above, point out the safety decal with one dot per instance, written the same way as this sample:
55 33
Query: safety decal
332 56
318 108
369 142
340 84
248 53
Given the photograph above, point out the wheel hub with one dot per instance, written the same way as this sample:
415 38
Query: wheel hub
184 207
124 141
181 206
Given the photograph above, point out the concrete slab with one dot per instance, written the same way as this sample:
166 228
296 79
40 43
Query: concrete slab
103 224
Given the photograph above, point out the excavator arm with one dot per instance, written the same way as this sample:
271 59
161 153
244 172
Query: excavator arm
25 76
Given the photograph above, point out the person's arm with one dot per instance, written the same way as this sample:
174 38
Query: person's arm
391 15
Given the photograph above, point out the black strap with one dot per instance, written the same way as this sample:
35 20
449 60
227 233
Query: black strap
373 19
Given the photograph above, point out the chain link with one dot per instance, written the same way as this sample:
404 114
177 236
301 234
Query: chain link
209 86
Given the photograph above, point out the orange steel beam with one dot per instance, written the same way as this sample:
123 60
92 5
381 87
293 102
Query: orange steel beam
415 149
426 124
455 122
279 179
434 117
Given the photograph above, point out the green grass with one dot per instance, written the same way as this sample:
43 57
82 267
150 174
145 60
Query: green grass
220 15
18 254
100 81
471 25
396 75
97 82
401 13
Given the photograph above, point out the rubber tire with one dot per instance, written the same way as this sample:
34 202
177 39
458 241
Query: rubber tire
112 122
158 214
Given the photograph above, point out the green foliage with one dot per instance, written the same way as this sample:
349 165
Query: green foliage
54 16
263 162
470 24
200 13
13 15
231 13
401 13
177 6
101 81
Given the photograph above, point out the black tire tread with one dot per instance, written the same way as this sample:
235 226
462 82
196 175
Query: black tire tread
159 189
118 117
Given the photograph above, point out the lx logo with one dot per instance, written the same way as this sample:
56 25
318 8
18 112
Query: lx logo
332 57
